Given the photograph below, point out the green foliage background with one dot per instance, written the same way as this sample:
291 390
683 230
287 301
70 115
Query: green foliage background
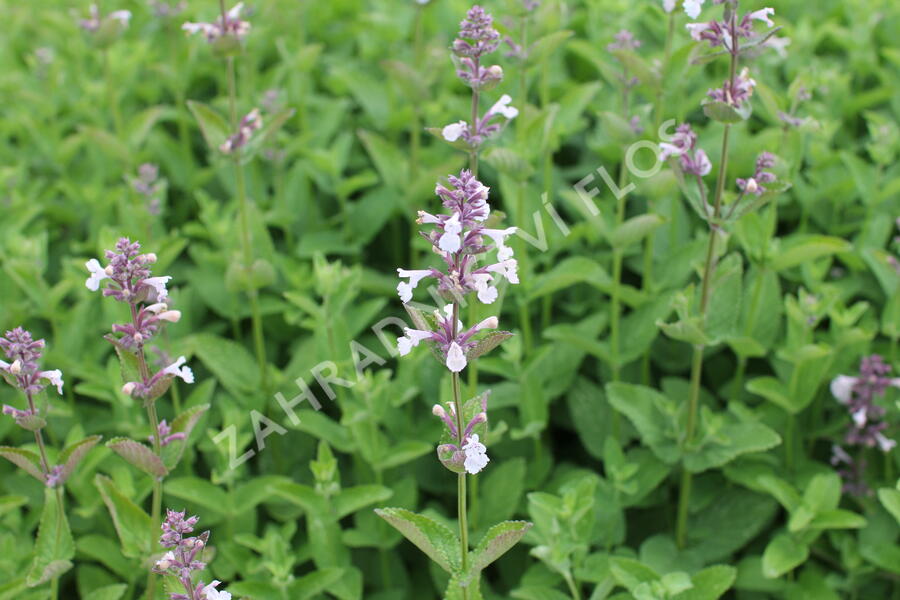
809 291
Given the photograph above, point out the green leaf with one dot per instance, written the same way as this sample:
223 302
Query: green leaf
783 554
497 541
199 491
890 498
314 584
802 249
488 343
710 583
131 522
213 126
733 440
108 592
651 413
725 299
231 363
54 548
184 423
352 499
73 454
432 538
631 573
508 161
772 390
26 460
726 113
139 455
634 230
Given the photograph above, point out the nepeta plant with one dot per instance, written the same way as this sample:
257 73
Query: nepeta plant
149 306
184 556
54 548
459 238
735 36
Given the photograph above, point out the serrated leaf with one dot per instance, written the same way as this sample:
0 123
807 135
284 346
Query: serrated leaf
138 455
488 343
432 538
352 499
54 548
634 230
801 249
26 460
131 522
73 454
497 541
183 423
726 113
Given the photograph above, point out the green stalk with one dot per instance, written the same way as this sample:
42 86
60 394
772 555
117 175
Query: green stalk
473 167
524 307
246 245
461 478
111 97
415 132
573 589
684 498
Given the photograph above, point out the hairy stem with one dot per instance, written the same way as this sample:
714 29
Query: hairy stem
461 478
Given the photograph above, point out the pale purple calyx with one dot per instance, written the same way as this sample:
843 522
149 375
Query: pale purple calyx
23 372
96 21
755 185
452 342
735 92
228 24
493 121
251 123
683 145
859 394
624 40
165 434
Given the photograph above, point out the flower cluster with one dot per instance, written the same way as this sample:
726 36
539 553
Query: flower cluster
754 185
485 127
251 122
720 33
129 273
459 238
164 10
624 40
735 92
183 558
477 37
454 343
22 373
470 454
228 24
20 347
684 146
149 185
93 24
858 395
166 436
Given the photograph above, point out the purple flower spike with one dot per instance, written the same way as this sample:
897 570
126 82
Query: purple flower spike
251 122
23 373
737 92
184 557
754 185
624 40
228 24
683 145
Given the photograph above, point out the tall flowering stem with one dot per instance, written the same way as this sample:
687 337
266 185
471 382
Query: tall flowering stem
732 99
130 282
459 238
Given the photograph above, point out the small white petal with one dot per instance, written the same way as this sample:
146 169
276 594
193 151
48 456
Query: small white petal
841 388
177 370
404 346
55 379
159 285
692 8
405 291
97 272
456 360
886 444
454 131
502 107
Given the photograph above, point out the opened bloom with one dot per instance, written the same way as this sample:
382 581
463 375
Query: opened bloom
476 455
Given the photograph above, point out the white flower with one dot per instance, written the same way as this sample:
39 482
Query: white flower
489 323
487 293
97 274
411 340
166 561
859 417
450 241
177 370
779 44
498 236
763 15
16 367
456 360
172 316
692 8
234 14
501 107
159 285
206 28
507 268
476 455
405 289
841 388
668 5
122 16
55 379
454 131
695 30
886 444
128 388
210 592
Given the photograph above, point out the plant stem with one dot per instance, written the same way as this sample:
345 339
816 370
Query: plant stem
246 243
573 589
111 97
708 271
461 478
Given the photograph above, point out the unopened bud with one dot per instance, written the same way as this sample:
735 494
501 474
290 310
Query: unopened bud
438 411
157 308
752 187
138 338
16 367
495 72
128 388
108 270
150 258
172 316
